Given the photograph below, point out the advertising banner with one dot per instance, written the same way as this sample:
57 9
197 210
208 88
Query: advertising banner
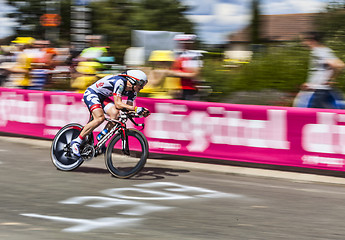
301 137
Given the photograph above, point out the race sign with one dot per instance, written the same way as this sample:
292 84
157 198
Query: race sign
50 20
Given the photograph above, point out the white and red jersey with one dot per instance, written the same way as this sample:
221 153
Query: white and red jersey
188 61
112 85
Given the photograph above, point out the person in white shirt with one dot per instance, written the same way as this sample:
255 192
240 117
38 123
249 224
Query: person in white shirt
318 91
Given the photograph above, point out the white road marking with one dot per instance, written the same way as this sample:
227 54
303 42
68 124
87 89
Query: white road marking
85 225
196 191
127 201
137 208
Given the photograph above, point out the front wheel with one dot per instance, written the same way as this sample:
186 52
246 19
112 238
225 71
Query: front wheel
60 151
126 161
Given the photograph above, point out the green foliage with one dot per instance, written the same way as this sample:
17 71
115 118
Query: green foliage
279 68
116 20
164 15
65 26
28 15
336 43
113 19
218 77
331 23
282 68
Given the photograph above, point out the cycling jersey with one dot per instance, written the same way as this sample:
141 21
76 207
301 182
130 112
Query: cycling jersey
112 85
98 94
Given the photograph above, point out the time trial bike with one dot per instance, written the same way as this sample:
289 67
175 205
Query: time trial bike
126 149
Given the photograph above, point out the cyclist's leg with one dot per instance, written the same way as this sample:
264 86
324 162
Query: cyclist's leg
98 119
94 105
110 109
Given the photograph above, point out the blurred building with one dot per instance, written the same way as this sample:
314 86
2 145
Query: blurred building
274 29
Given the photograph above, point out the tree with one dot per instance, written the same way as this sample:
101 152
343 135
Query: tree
255 22
330 22
116 19
113 19
165 15
29 12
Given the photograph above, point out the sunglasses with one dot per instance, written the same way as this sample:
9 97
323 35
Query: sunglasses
142 83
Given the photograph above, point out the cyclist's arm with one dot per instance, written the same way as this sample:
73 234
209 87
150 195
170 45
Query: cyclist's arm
121 105
130 103
119 88
337 66
190 74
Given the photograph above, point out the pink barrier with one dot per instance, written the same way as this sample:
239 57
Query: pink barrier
310 138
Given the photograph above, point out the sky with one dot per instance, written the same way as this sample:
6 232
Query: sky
214 19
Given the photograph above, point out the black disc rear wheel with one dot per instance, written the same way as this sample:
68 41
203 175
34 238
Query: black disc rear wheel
60 152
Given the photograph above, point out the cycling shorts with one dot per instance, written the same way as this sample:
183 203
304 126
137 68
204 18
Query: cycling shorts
94 100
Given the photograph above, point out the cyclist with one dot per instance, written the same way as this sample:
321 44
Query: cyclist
97 99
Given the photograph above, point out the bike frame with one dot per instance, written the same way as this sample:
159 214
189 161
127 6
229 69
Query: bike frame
118 138
120 126
114 130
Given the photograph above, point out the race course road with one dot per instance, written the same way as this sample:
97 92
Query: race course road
170 202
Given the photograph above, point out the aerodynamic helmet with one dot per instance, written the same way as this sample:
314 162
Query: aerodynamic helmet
135 77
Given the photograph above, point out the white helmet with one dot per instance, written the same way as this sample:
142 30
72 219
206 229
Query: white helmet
135 77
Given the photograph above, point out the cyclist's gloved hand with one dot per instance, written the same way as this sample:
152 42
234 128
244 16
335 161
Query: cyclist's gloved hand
146 113
139 110
142 111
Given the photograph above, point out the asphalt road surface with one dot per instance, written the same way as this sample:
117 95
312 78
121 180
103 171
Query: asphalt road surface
166 201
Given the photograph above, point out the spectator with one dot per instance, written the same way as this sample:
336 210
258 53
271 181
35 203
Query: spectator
18 75
318 91
162 84
188 61
7 61
41 63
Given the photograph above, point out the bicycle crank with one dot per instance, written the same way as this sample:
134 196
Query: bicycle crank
88 152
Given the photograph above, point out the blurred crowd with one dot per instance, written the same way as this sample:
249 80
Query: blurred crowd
176 74
34 64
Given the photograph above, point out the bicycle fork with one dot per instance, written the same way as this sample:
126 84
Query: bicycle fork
124 139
